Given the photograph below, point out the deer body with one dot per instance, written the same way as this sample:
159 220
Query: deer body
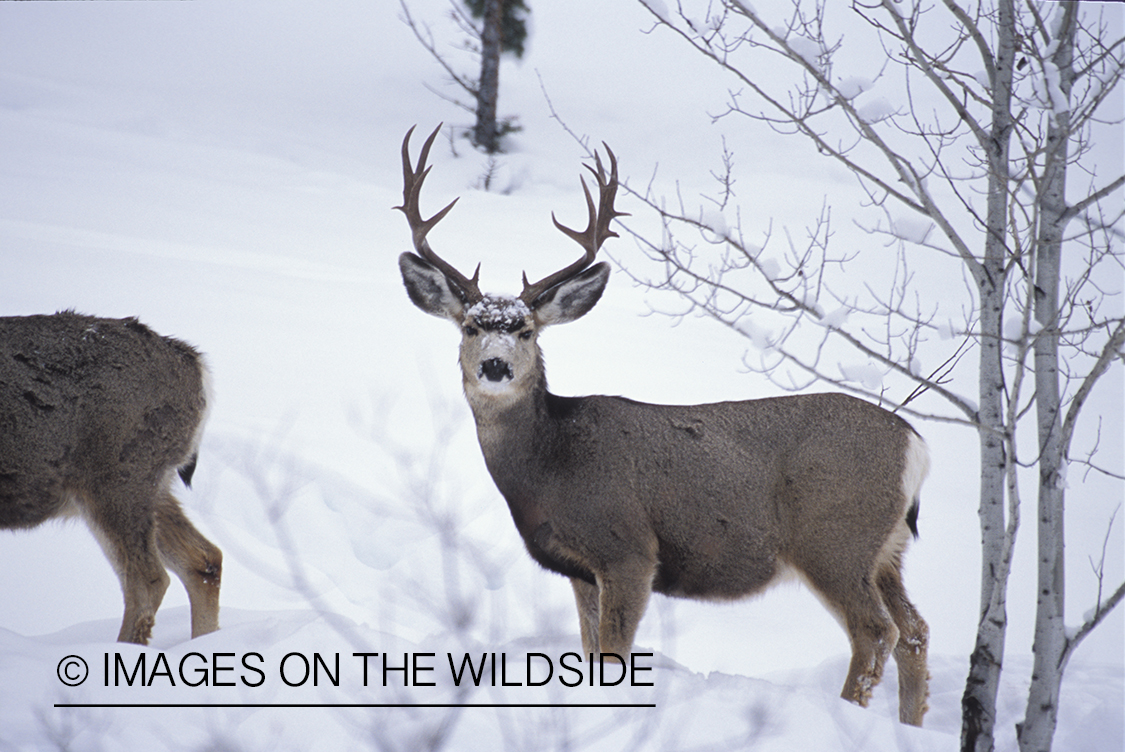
720 499
96 417
714 501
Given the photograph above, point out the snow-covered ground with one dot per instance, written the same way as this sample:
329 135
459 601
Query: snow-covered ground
225 172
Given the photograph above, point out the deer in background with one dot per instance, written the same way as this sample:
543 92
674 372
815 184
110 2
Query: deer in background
715 501
96 417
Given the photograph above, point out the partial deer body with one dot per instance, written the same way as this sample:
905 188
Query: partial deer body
96 418
713 501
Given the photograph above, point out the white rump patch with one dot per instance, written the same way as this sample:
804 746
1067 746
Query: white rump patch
208 402
916 469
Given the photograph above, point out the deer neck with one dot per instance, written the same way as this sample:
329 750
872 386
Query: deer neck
509 427
514 433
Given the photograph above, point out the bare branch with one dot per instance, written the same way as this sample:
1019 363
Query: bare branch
1110 352
426 39
1092 621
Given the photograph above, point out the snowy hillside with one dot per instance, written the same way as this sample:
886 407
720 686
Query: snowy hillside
225 172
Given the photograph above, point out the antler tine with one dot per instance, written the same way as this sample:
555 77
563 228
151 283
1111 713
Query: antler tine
597 227
412 179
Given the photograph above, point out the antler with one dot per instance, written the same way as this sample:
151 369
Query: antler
412 179
597 229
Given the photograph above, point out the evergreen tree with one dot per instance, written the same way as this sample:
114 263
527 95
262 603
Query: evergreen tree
513 23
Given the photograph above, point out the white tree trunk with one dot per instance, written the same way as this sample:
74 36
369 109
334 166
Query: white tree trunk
978 703
1050 646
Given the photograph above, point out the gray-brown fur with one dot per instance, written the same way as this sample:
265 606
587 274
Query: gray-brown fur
714 501
96 417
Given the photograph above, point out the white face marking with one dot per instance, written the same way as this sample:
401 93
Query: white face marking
497 344
496 387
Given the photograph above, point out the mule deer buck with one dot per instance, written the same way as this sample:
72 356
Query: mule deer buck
95 417
713 501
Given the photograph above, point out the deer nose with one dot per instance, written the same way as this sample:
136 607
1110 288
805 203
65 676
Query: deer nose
495 369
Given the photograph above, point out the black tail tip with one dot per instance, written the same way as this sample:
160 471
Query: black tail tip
188 470
912 518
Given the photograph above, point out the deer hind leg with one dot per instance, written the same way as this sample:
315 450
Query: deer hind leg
122 523
910 651
195 560
586 597
871 631
856 603
873 635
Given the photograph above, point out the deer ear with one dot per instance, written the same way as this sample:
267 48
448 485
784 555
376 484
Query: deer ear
429 288
572 298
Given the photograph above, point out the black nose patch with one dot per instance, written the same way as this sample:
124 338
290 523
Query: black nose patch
495 369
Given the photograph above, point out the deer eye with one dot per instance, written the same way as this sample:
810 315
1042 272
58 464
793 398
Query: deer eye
470 331
526 334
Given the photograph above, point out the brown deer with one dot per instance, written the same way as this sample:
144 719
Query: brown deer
711 501
96 415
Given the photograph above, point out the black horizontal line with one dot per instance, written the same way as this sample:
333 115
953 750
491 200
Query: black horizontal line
350 705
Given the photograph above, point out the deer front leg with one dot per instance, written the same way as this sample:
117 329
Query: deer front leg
622 598
586 597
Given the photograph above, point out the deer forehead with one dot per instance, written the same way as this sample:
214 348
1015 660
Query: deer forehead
500 314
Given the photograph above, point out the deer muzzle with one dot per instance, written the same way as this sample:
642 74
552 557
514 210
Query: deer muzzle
495 370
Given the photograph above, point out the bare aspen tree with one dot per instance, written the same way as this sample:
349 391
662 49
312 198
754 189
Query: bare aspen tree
966 169
1062 63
